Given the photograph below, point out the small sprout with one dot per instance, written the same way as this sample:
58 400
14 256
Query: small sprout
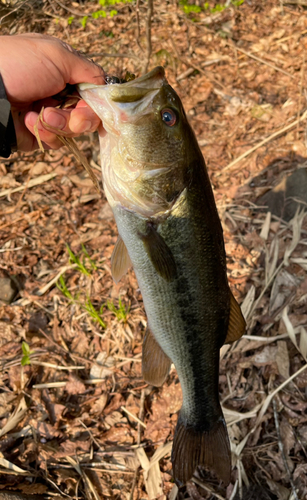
74 259
84 21
93 265
63 288
70 19
95 315
121 312
99 13
25 360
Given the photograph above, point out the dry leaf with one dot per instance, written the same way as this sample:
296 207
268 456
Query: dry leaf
282 359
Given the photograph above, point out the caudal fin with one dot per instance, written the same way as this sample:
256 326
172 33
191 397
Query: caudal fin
192 447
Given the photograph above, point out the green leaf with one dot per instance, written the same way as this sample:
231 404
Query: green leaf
84 21
70 19
25 360
26 349
99 13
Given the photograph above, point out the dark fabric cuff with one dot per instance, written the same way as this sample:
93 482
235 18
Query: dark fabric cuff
8 142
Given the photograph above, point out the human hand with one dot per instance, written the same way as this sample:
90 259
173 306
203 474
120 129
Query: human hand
35 67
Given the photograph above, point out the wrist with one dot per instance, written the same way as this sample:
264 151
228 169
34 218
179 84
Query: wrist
8 142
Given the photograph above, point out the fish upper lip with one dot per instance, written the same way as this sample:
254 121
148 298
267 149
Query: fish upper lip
151 81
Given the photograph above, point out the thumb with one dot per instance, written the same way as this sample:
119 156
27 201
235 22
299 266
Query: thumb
79 69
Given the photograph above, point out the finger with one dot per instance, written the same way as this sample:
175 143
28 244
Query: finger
45 135
71 122
83 119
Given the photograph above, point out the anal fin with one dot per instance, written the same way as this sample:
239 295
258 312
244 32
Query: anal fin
236 324
192 448
120 260
155 363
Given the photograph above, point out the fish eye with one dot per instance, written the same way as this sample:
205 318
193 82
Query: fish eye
169 117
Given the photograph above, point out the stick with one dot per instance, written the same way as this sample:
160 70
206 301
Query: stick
133 416
105 54
262 61
137 13
282 451
261 143
295 2
301 94
148 34
33 182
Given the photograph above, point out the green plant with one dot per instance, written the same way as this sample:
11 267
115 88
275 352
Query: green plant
25 360
93 265
63 288
95 315
192 8
86 266
99 13
74 259
121 312
84 21
70 19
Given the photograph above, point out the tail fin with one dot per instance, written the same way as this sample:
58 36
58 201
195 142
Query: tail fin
193 447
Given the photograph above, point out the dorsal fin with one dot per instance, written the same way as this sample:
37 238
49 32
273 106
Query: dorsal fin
237 324
120 260
155 363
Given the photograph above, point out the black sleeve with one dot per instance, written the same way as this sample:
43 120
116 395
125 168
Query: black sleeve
8 141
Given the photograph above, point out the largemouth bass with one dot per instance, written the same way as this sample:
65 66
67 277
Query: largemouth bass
156 182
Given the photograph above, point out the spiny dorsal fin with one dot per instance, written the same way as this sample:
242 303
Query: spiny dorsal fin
236 325
155 363
120 260
193 447
159 253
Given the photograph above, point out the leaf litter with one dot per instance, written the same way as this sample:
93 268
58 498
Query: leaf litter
79 421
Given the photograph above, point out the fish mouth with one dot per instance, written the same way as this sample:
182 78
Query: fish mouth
137 89
123 102
131 91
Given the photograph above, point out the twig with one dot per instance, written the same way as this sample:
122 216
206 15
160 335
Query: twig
141 416
148 34
72 11
106 54
270 396
19 5
295 2
281 448
33 182
202 485
137 13
300 96
133 416
261 143
262 61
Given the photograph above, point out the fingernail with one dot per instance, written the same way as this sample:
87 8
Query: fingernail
55 120
86 126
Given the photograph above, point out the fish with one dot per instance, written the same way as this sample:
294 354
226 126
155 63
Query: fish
156 182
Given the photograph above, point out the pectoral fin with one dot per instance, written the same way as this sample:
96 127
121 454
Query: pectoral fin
155 363
120 260
237 324
159 253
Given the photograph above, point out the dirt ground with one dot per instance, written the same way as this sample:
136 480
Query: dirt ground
76 418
